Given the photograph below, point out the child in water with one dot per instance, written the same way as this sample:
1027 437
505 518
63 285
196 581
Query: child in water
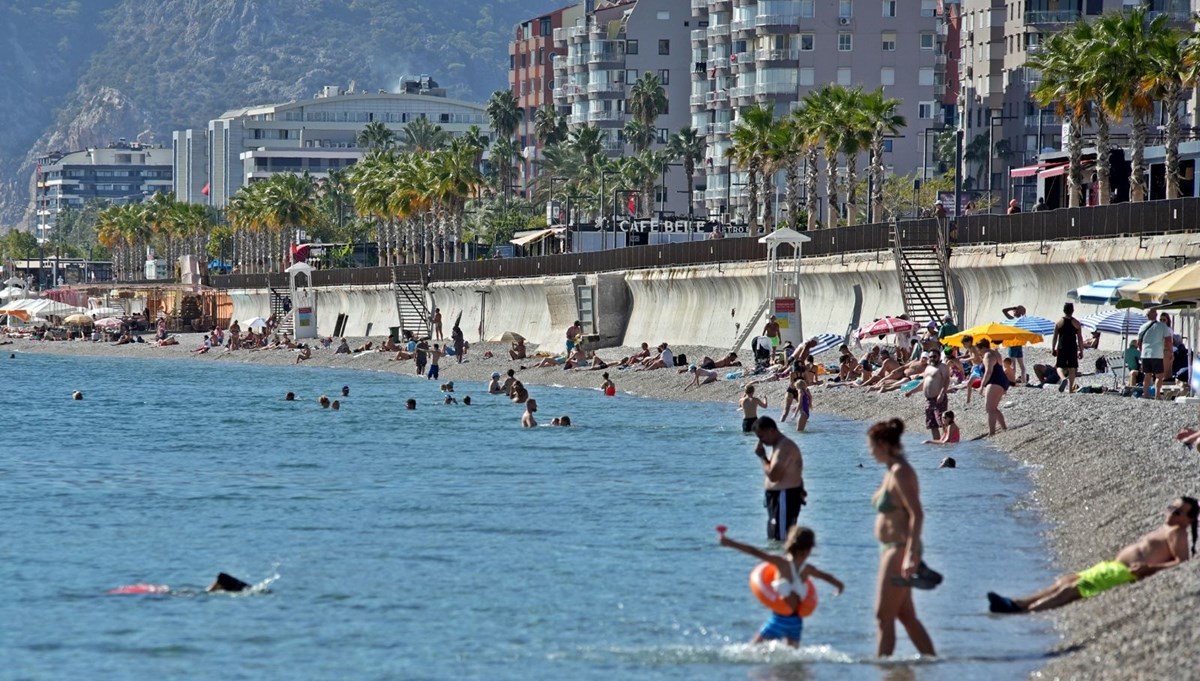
792 569
950 434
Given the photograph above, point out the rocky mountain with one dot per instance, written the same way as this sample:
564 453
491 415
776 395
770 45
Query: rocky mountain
86 72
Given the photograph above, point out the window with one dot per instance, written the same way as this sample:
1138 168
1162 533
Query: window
664 47
664 76
928 8
889 8
925 109
889 41
631 47
887 146
845 9
663 15
541 56
807 41
925 76
808 8
544 28
887 76
845 41
843 76
926 40
524 60
663 133
808 75
631 76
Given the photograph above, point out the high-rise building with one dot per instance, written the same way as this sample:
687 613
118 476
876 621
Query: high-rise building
773 52
608 48
531 56
122 172
318 135
997 38
189 163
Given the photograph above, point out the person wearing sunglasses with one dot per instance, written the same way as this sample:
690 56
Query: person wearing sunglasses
1163 547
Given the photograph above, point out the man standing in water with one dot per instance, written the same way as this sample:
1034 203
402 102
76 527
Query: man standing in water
934 383
1067 345
784 477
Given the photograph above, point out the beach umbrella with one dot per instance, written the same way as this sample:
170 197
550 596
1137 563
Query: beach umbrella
79 320
1038 325
1009 335
1178 285
109 323
1117 322
256 323
10 292
511 337
887 325
1103 292
100 312
825 341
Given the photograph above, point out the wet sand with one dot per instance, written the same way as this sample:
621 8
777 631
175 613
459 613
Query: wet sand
1104 470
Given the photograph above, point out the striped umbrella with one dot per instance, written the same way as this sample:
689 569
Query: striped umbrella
825 341
1102 292
1039 325
887 325
1119 322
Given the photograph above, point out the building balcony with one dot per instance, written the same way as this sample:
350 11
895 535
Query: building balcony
718 5
577 34
717 96
1046 120
777 21
777 55
1051 17
743 92
715 193
577 119
700 35
739 60
775 89
605 117
742 26
720 63
719 128
718 30
612 146
560 37
606 58
939 60
606 89
699 100
700 5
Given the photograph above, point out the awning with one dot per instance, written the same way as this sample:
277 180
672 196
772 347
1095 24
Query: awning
1030 171
532 237
1055 171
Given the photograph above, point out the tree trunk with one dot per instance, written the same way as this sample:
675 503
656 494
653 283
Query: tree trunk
1171 104
831 187
1075 156
811 180
792 190
1103 159
852 189
877 178
752 197
1137 153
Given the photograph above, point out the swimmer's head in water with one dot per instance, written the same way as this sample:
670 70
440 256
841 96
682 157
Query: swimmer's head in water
531 405
323 400
290 397
77 395
948 462
410 403
345 391
564 420
467 400
335 405
225 582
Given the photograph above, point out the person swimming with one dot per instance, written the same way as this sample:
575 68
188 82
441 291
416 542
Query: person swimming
224 582
227 582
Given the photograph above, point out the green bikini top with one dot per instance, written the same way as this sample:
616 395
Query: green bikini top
882 501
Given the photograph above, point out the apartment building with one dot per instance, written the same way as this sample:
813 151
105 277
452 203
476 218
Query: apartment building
747 52
997 38
608 48
317 135
189 164
122 172
531 55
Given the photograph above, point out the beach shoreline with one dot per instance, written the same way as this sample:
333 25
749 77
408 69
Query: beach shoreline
1103 470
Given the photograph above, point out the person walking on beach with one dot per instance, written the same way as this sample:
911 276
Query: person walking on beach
437 323
935 384
1152 338
783 472
1067 344
771 330
573 331
1160 549
994 384
792 570
456 337
421 356
898 527
749 404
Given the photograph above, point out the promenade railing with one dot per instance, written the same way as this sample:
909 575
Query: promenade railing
1096 222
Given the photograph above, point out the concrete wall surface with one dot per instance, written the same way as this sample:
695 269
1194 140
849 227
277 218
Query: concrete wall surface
703 305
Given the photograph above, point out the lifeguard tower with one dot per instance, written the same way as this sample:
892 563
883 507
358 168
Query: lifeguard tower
304 301
783 289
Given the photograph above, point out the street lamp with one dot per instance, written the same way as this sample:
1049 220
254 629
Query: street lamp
992 120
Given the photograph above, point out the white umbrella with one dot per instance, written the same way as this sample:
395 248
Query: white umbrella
101 312
109 323
256 322
10 292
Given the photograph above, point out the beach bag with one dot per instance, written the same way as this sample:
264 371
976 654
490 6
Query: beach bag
1102 365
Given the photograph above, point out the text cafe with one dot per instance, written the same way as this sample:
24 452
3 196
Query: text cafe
648 232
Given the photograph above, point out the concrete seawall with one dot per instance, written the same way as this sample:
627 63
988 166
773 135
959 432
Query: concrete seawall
702 305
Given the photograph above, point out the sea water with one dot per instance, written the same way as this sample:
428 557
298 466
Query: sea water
447 542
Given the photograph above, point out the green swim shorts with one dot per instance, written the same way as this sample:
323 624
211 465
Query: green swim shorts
1103 576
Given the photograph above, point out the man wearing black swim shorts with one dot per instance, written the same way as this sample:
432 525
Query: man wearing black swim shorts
784 473
749 405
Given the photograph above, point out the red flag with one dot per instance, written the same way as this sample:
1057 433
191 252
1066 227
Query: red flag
204 191
632 205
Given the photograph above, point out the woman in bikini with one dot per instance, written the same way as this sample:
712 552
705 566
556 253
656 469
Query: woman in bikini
898 528
995 384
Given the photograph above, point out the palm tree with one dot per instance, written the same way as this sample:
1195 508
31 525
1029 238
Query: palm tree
1063 87
587 139
1172 58
504 113
751 145
288 205
882 114
549 126
806 132
1118 62
647 99
687 145
639 134
856 136
376 135
828 125
421 135
504 152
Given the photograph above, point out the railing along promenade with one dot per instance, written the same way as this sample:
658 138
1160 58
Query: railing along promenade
1095 222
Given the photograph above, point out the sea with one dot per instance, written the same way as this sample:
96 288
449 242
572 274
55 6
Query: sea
449 543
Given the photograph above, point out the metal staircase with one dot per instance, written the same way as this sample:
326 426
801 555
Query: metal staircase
748 329
923 269
411 309
286 320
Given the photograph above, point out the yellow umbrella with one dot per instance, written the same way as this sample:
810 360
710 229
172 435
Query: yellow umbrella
1174 286
79 320
1009 335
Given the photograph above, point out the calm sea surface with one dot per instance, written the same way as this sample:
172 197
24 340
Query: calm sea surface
447 543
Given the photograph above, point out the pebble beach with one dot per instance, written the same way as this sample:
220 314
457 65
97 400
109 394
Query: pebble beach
1104 469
